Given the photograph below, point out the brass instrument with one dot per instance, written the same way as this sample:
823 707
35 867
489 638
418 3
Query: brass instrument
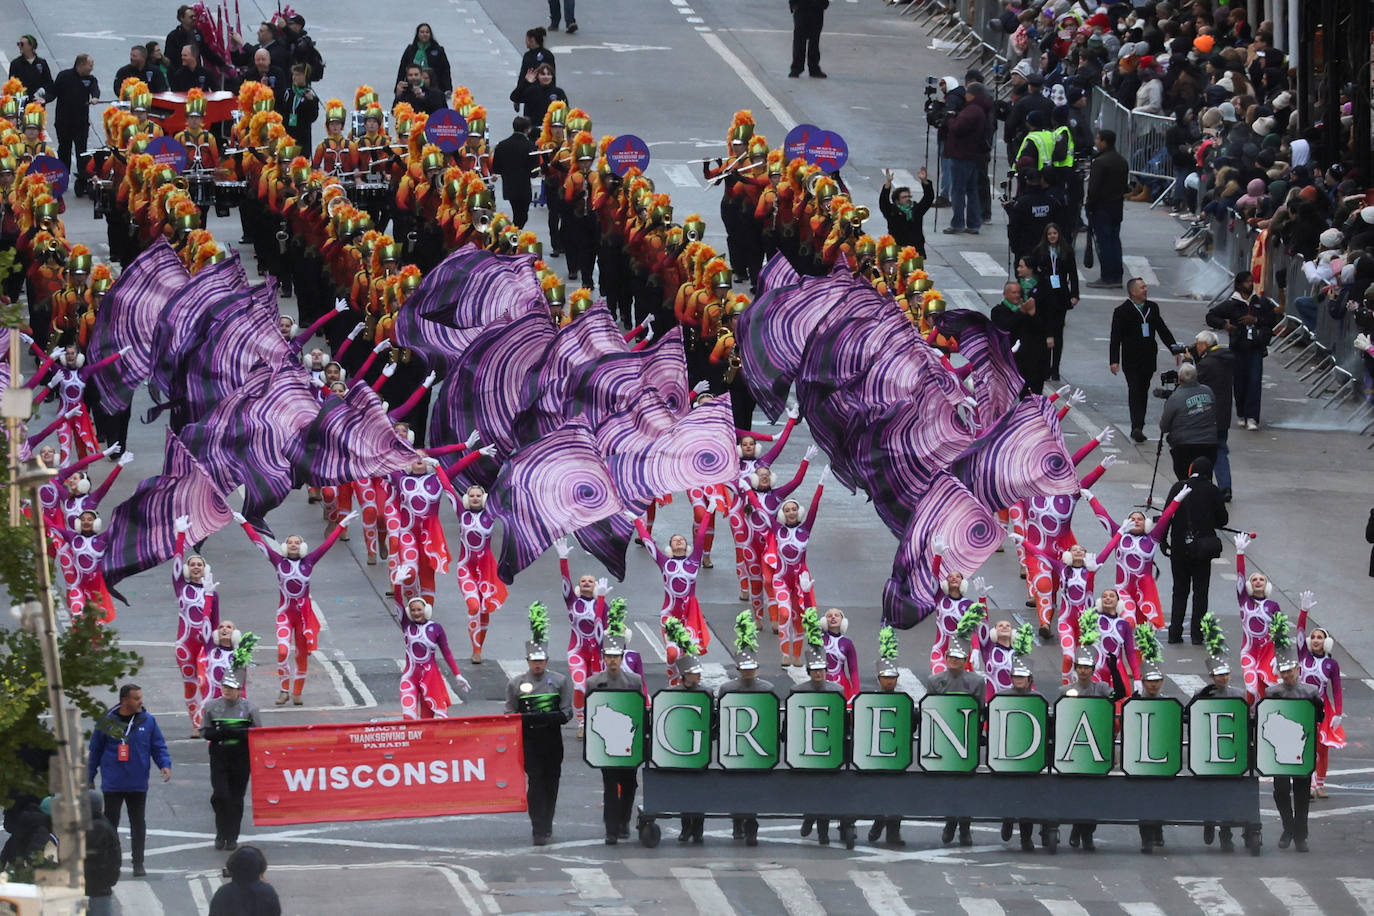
482 221
811 181
733 371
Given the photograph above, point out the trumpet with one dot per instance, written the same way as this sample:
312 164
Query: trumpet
282 238
691 235
811 181
481 221
858 217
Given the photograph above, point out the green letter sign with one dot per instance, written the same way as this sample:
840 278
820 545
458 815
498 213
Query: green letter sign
1219 737
815 731
748 731
883 726
950 726
615 728
1083 735
1017 727
1152 737
682 729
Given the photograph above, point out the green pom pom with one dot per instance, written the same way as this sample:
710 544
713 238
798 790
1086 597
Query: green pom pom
615 618
969 622
1147 643
1281 630
811 627
887 643
1213 637
539 622
1088 634
746 633
243 655
1023 643
680 636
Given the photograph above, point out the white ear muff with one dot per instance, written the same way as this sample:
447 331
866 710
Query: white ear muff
429 611
83 484
739 450
754 480
236 638
1066 558
844 625
99 525
80 360
1149 525
1328 644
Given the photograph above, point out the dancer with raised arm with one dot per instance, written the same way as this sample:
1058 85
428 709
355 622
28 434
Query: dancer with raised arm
197 619
1135 559
679 570
587 618
1257 611
791 587
1318 667
424 695
483 590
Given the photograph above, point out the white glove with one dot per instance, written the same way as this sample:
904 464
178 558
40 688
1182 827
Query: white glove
473 438
125 458
463 684
1136 686
487 450
343 522
564 550
28 341
1017 539
1335 721
825 475
939 546
1183 493
125 349
1125 526
238 517
429 380
1063 390
109 452
1016 346
701 387
805 581
1078 397
1087 494
629 516
210 585
744 484
1242 541
1362 342
811 452
1108 461
1105 437
793 412
431 462
389 370
382 346
357 329
182 524
980 586
1307 600
648 335
603 587
340 305
648 321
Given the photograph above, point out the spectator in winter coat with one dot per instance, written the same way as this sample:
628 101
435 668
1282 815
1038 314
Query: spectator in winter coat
123 745
965 150
906 216
103 859
1215 369
429 55
246 892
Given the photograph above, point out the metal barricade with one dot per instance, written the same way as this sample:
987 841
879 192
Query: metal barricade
1140 140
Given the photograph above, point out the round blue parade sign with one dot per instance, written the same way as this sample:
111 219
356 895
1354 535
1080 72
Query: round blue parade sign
797 139
827 150
447 129
168 151
626 152
53 171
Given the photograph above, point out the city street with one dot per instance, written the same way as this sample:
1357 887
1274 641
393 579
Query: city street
673 72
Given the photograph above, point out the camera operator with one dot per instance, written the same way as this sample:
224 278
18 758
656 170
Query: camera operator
943 101
1193 544
1215 367
1137 328
1189 420
1250 320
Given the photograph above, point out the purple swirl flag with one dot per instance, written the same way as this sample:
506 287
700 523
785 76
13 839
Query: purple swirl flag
1022 456
350 439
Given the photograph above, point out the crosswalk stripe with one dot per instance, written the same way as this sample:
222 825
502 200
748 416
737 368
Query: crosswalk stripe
983 262
1138 266
1188 683
981 906
908 682
138 897
681 176
1292 896
593 886
653 639
1368 681
1362 889
881 894
1211 897
198 895
700 885
1141 908
713 674
1064 907
794 893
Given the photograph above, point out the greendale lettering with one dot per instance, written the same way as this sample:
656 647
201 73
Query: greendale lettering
365 776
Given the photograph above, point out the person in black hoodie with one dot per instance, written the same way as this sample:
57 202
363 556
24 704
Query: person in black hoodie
1193 545
1016 314
246 892
1216 369
430 55
906 216
536 91
103 859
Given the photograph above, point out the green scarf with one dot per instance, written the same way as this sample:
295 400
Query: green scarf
906 209
1015 307
421 54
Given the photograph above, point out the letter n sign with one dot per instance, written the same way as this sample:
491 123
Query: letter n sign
950 726
1219 736
1083 735
883 726
815 731
1017 733
682 729
1152 737
748 731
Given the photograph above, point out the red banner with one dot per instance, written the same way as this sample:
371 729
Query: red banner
372 771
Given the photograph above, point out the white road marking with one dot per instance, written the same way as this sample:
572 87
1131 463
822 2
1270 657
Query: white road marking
456 882
881 894
1368 681
1064 908
793 891
653 639
1292 896
713 674
901 178
1188 683
695 19
1138 266
705 894
1211 897
197 885
746 76
983 262
965 299
1362 889
909 683
594 885
681 176
981 906
351 675
512 668
1142 908
1338 812
138 897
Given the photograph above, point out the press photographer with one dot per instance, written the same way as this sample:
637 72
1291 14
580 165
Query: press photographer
1190 422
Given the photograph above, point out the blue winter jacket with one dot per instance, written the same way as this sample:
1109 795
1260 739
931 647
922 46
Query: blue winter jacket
146 745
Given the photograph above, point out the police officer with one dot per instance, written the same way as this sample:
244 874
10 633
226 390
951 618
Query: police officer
1293 794
1038 144
543 698
957 678
1035 206
1083 685
225 724
816 668
618 784
746 826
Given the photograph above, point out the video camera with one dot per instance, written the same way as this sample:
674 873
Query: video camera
1168 381
936 110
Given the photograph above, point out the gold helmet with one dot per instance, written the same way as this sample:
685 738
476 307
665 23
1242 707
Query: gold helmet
45 210
187 221
865 249
389 252
7 161
741 131
410 279
300 170
887 250
481 200
737 304
142 101
195 102
693 228
79 261
758 148
554 290
558 116
433 160
934 304
34 115
477 120
580 302
287 150
578 121
334 111
9 109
